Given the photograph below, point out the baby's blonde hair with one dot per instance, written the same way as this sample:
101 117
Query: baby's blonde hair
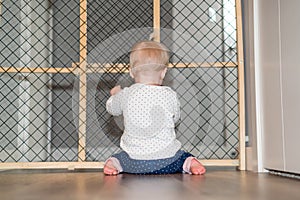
149 56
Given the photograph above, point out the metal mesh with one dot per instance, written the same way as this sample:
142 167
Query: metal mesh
36 108
41 75
203 33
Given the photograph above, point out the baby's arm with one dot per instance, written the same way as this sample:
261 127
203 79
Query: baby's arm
177 110
115 90
113 104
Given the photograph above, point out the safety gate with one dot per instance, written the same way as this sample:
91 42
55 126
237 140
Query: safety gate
59 59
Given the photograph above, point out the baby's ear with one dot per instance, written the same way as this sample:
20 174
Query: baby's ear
131 74
163 73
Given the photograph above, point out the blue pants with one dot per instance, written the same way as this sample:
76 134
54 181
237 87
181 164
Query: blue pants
159 166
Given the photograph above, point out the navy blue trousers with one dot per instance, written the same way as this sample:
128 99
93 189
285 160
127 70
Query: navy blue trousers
159 166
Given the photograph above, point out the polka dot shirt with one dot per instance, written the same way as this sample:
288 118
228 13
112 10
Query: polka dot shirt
150 113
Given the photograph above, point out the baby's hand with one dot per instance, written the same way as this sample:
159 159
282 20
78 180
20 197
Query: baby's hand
115 90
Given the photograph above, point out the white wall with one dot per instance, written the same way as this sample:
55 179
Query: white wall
290 52
277 48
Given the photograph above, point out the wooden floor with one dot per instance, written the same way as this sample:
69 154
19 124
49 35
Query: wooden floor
93 185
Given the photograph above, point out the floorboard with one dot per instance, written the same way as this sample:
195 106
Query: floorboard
93 185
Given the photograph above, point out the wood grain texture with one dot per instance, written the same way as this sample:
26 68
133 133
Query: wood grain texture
90 185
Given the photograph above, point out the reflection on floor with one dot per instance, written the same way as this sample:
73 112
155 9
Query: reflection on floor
215 184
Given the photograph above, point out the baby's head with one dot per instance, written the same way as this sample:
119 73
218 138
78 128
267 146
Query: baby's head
148 58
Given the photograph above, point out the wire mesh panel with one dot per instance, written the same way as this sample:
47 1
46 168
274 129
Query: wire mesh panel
37 122
113 28
208 91
202 36
59 59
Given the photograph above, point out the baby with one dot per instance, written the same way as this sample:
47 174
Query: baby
150 112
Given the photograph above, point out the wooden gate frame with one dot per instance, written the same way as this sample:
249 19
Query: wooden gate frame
82 70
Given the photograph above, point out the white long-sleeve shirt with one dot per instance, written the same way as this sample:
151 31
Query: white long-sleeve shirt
150 113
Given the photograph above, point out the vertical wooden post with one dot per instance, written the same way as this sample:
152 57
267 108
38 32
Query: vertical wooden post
156 20
241 86
82 81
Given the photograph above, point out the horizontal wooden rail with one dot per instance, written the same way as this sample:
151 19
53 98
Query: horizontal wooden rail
93 165
107 68
50 70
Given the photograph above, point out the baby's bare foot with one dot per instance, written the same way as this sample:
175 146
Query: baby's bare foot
109 168
197 168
